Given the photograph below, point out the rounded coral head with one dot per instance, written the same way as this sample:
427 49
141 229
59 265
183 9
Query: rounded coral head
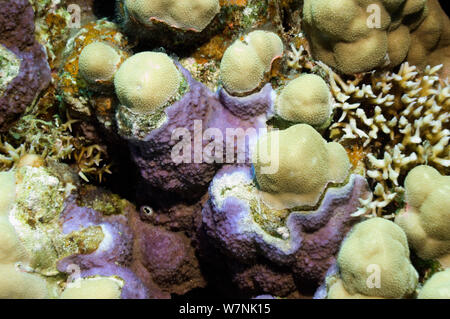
294 166
98 63
16 284
374 261
426 219
437 287
192 15
356 36
147 81
305 99
244 63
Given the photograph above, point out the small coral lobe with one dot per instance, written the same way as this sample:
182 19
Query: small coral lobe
17 30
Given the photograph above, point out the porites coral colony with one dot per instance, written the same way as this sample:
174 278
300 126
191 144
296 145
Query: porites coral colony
333 125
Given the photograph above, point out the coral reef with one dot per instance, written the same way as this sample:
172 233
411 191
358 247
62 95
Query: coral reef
98 63
359 36
425 219
252 57
138 82
297 177
62 242
164 260
306 99
212 148
437 287
305 242
192 15
259 217
52 139
72 86
24 68
170 23
398 120
373 262
161 141
13 282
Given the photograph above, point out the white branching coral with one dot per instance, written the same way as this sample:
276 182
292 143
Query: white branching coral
400 120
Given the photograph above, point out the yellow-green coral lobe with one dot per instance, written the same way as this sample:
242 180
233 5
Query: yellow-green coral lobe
293 167
377 247
306 99
147 81
426 219
98 62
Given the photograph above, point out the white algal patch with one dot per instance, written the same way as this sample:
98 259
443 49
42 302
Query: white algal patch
9 68
236 184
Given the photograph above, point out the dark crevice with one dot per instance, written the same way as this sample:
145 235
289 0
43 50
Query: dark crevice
104 9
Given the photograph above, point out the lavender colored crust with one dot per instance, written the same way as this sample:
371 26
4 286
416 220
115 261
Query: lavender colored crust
248 106
264 297
153 154
164 260
17 35
321 292
314 240
113 256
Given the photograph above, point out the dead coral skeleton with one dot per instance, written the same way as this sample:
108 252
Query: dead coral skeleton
400 120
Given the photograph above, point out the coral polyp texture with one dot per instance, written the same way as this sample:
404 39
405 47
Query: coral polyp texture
437 287
293 167
373 262
192 15
306 99
278 217
98 63
177 149
91 56
246 61
426 216
358 36
139 84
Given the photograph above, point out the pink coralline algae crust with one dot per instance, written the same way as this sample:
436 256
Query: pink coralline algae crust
17 35
164 260
153 154
249 106
112 258
314 239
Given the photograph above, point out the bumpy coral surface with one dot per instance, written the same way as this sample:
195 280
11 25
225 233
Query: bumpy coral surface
72 86
252 58
245 228
170 144
98 63
399 120
358 36
187 15
374 262
306 99
224 148
138 82
293 167
426 216
60 242
437 287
